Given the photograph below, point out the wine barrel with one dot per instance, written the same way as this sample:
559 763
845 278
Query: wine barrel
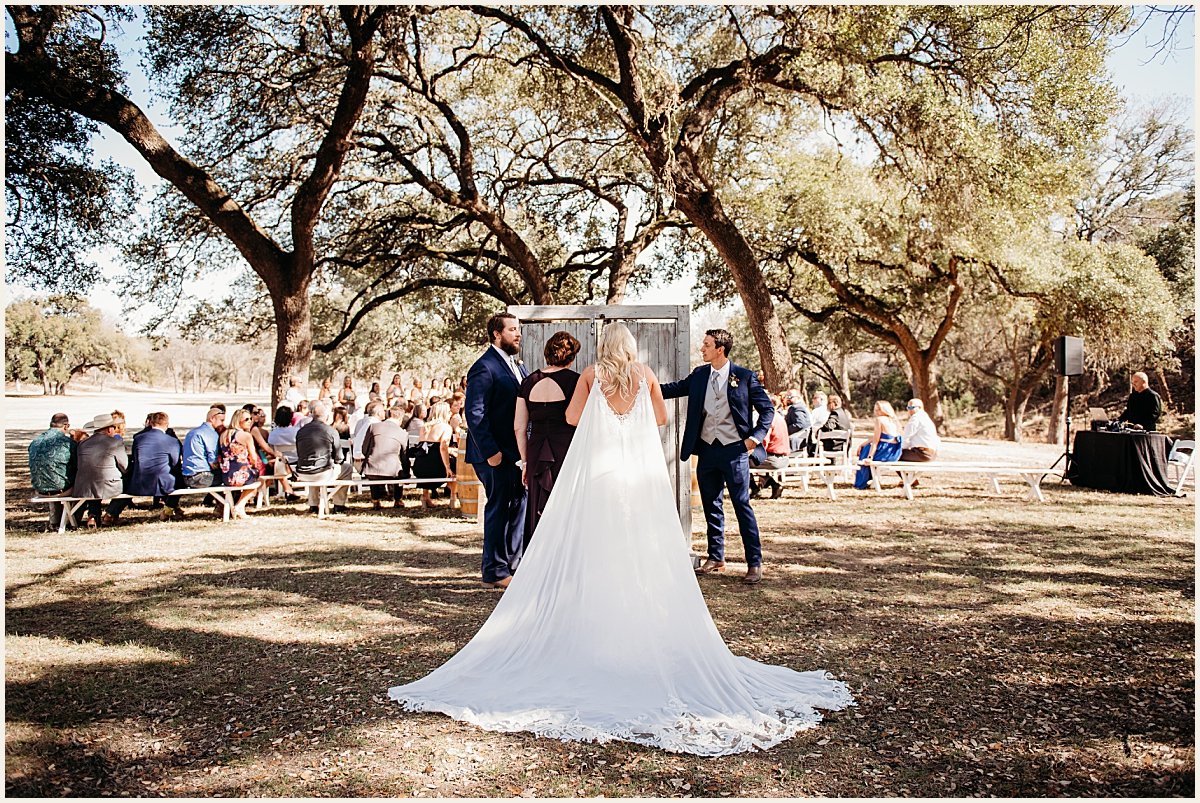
470 489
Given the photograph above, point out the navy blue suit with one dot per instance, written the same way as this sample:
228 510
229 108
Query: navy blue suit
725 465
154 469
491 408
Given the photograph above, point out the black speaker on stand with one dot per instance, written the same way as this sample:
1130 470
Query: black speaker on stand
1068 362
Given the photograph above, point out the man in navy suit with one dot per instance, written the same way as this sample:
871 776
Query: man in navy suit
491 408
154 468
722 434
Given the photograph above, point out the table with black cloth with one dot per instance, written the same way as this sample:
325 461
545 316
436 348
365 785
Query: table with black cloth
1128 462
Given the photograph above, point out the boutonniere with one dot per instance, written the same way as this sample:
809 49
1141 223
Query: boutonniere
733 381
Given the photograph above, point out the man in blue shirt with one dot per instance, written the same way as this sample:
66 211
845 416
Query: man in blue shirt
200 450
52 463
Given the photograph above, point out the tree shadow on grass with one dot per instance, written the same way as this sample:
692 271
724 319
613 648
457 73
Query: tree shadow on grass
930 633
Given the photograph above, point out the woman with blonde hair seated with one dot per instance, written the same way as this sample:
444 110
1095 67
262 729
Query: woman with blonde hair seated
238 459
432 456
884 446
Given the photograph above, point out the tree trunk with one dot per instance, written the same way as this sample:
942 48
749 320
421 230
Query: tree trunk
1014 414
1056 431
705 212
293 340
925 383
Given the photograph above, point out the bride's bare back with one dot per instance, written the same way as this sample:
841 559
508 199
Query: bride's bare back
620 403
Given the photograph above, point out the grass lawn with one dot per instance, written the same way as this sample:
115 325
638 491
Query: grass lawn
995 647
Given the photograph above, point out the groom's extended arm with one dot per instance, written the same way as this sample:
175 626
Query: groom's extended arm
673 390
760 401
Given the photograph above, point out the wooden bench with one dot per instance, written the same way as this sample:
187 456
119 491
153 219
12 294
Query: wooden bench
802 468
224 494
329 487
909 471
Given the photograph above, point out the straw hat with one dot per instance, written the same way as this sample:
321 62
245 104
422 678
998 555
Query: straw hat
99 422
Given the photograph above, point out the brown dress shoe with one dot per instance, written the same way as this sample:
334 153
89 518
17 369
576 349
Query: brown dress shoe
753 576
709 566
501 584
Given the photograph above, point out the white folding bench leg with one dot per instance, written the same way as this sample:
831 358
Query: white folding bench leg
1035 486
225 499
829 477
907 478
995 483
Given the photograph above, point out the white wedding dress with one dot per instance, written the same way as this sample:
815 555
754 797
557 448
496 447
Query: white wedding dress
603 633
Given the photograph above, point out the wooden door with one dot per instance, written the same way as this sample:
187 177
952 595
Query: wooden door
662 333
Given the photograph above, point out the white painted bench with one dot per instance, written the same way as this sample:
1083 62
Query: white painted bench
224 494
801 468
910 471
329 487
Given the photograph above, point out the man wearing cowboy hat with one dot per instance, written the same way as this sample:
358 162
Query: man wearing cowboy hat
101 466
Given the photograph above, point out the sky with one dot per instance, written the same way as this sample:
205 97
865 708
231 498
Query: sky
1142 75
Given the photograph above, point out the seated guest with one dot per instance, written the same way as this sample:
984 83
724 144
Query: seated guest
301 416
817 416
282 437
414 426
238 459
799 424
1144 407
294 394
777 447
920 441
119 422
153 467
543 434
384 448
341 423
52 461
374 411
884 445
275 465
101 465
200 450
836 419
432 454
319 458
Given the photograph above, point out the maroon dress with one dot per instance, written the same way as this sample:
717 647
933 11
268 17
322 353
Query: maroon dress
549 438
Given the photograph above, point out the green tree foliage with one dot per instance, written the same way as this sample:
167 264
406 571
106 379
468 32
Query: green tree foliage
962 101
60 204
59 339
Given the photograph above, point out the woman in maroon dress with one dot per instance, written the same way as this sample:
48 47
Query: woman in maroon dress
543 434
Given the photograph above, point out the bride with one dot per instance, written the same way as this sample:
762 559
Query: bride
604 634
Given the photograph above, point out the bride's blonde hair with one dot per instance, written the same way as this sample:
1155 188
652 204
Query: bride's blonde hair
616 356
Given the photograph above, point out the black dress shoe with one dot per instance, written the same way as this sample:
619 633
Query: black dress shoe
314 509
777 491
340 508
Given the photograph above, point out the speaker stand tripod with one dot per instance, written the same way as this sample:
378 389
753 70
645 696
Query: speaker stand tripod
1065 457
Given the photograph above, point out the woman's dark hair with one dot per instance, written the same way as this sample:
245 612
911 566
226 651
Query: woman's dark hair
496 324
721 339
283 416
560 349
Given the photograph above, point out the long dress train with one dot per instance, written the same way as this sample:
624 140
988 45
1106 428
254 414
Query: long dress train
603 633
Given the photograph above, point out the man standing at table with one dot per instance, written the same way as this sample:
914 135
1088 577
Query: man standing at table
1144 407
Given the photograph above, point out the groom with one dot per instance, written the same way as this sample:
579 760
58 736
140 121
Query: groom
721 434
491 403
